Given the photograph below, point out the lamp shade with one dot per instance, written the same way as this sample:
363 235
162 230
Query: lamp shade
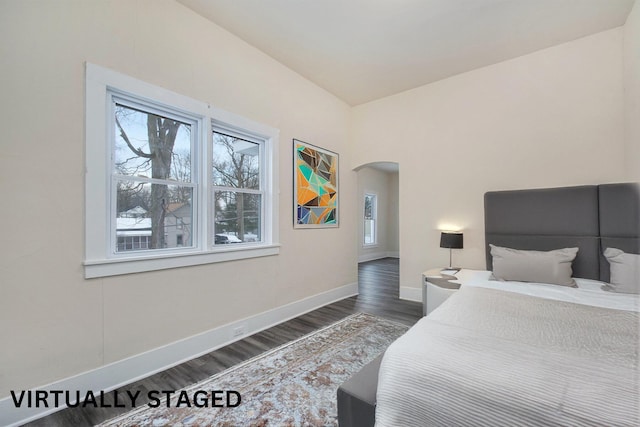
451 240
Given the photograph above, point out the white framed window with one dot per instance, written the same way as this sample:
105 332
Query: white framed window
154 181
160 187
370 219
237 188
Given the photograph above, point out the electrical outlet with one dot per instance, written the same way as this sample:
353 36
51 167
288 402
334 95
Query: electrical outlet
239 331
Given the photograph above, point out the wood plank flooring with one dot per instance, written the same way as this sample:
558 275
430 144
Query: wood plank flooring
378 295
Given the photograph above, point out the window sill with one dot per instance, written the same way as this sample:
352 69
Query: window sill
115 267
369 245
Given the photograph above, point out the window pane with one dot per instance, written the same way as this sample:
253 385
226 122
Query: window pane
151 146
235 162
369 219
152 216
237 217
369 232
368 206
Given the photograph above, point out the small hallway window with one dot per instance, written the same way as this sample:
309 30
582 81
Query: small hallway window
370 214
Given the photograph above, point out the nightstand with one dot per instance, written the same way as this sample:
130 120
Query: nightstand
436 288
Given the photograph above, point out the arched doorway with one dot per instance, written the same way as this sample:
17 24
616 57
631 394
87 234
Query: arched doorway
378 217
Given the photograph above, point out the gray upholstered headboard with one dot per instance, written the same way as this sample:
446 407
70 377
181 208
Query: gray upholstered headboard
590 217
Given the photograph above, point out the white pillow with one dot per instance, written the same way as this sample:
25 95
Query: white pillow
625 271
534 266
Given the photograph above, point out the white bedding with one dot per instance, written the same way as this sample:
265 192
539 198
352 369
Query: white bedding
588 292
490 357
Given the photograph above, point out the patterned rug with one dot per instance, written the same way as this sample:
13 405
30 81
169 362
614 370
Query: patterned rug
292 385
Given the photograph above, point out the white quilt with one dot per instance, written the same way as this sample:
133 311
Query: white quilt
495 358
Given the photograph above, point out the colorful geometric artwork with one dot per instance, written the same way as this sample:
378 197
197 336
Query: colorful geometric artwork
315 186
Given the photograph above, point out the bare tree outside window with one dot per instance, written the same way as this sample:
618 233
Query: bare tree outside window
238 196
152 162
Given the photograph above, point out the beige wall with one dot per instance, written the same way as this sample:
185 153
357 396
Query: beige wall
632 93
551 118
56 324
393 229
384 185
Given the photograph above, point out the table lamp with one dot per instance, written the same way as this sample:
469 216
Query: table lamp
451 240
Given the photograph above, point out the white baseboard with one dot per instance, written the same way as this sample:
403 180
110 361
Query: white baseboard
125 371
377 255
410 293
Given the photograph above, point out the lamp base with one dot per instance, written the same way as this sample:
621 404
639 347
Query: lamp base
453 269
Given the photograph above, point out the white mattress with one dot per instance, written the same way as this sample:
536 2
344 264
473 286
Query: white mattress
588 292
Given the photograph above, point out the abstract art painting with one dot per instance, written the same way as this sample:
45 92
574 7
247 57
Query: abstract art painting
315 186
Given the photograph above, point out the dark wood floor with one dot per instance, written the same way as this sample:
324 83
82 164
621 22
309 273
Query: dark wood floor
378 295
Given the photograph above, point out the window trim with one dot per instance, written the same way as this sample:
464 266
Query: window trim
374 212
99 82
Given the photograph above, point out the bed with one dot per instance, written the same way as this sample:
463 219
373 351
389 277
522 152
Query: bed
525 353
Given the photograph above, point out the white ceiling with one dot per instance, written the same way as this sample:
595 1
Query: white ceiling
361 50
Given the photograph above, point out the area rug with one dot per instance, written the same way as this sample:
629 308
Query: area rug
292 385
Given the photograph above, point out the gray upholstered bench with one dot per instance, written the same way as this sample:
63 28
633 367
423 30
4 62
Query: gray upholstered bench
357 397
